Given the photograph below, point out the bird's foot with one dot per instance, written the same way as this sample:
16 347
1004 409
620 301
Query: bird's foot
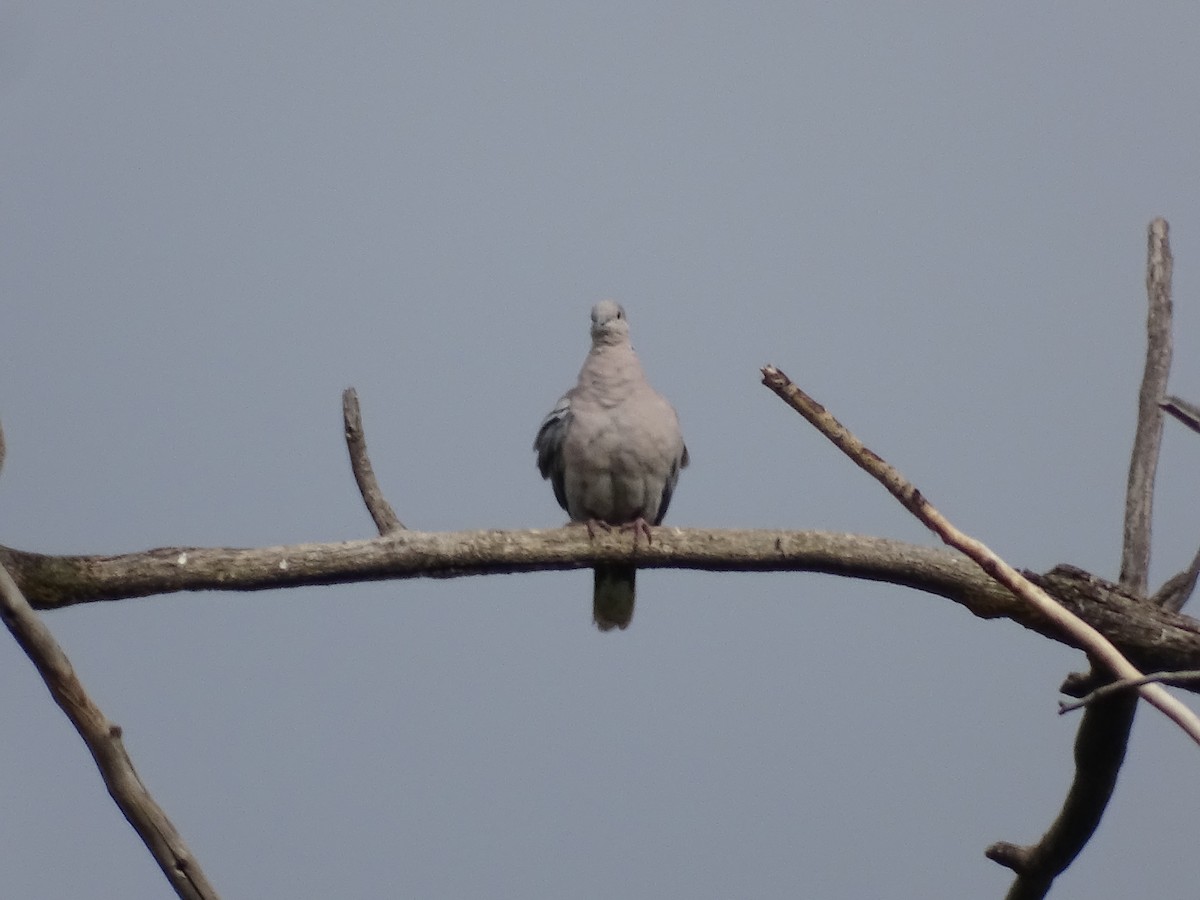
594 525
639 526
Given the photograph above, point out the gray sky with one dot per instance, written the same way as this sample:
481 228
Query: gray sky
215 217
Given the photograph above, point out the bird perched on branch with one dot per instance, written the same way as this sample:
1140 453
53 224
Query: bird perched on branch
612 450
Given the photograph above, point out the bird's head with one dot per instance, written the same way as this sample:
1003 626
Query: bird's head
609 325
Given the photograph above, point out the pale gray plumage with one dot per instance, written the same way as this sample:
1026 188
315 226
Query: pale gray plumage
612 450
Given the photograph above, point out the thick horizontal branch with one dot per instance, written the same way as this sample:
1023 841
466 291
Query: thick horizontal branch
1153 639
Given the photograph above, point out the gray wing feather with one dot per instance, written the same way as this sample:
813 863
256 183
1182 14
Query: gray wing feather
549 447
669 486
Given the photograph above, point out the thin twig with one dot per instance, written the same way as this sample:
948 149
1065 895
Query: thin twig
1185 412
1126 684
1177 589
364 475
1105 727
904 491
103 739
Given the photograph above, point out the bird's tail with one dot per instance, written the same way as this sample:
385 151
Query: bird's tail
612 597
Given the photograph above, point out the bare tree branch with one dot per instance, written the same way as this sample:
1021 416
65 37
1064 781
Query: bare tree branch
1139 494
103 739
1125 684
1185 412
52 582
1098 646
381 511
1154 639
1065 604
1104 730
1177 589
1038 865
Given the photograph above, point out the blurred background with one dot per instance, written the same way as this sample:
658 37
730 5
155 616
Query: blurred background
215 217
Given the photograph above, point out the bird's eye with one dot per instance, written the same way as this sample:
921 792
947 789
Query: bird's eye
620 313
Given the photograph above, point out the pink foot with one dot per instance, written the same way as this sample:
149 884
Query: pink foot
596 524
640 527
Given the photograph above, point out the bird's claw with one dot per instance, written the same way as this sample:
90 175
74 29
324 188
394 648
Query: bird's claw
640 526
593 525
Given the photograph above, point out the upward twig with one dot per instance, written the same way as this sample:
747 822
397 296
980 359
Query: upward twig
1176 590
1103 734
903 490
381 511
1143 462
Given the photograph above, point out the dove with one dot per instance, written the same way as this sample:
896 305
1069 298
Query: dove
612 450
